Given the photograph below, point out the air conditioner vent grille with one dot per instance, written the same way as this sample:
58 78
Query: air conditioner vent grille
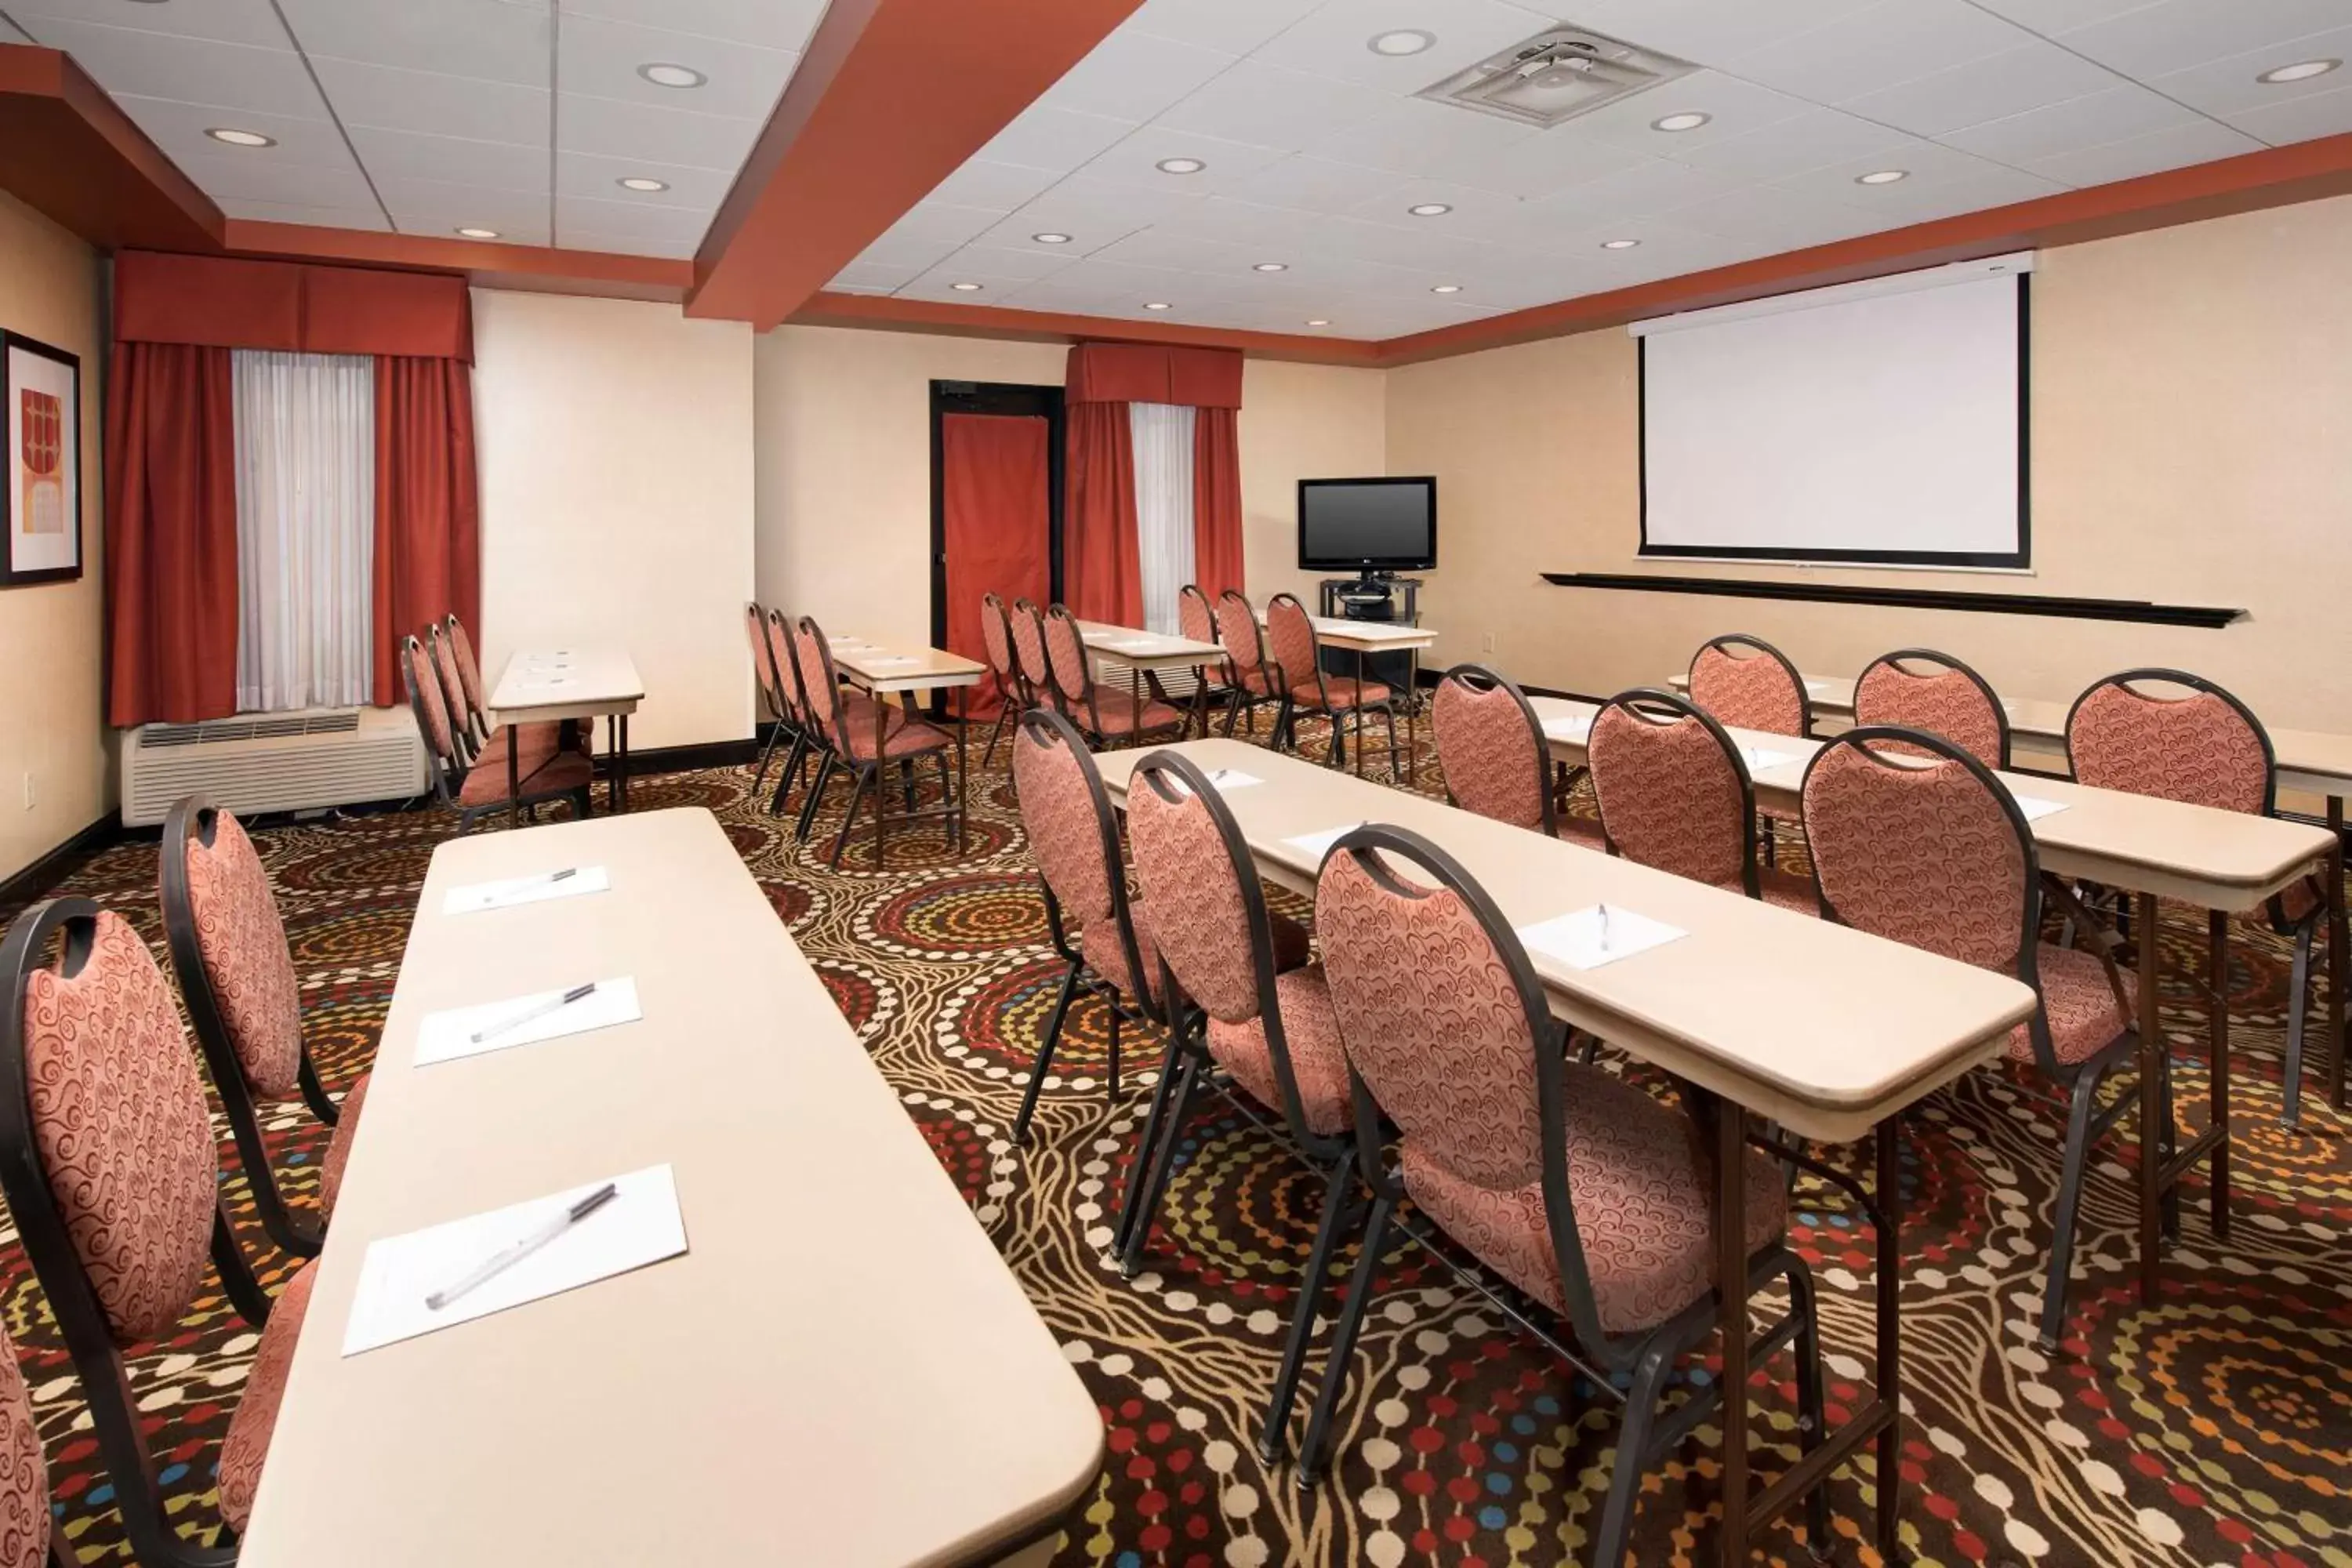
257 727
1558 75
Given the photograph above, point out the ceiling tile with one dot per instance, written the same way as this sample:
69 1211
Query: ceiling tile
1994 88
1473 208
770 24
1773 215
1004 264
1892 41
179 129
1418 137
368 217
674 226
426 205
1421 251
2111 116
906 251
1245 223
590 175
2175 34
1092 212
1986 186
939 222
610 128
1160 246
1711 32
2194 142
223 21
1736 107
863 276
494 165
1335 40
395 100
2299 119
2053 16
1547 162
486 39
1132 76
1135 160
601 59
997 187
1814 139
1271 107
1235 27
2233 85
1925 163
438 226
156 65
223 175
1650 186
1059 138
1316 184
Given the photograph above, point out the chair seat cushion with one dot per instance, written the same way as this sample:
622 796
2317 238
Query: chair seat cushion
2081 1004
1642 1203
247 1443
563 771
1343 691
2300 898
339 1146
1312 1031
1257 681
535 743
910 739
1118 713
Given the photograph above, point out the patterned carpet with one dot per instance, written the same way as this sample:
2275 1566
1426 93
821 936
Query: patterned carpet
2215 1428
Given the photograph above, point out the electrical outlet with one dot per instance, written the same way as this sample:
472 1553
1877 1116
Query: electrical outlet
29 789
1490 642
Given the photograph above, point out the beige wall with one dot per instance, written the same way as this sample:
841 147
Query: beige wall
51 289
615 450
2192 442
845 479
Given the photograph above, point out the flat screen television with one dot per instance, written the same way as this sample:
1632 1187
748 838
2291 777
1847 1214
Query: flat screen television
1367 526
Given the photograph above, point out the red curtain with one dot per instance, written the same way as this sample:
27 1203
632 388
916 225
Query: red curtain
995 520
428 559
1102 565
1217 500
171 534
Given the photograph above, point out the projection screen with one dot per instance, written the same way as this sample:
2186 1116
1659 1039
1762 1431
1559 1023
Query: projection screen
1875 422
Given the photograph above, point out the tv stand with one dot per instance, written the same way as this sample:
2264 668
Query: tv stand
1374 597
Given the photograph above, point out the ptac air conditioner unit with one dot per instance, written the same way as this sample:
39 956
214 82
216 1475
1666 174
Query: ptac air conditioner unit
272 761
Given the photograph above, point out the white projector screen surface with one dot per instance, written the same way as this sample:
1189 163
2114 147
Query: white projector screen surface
1887 427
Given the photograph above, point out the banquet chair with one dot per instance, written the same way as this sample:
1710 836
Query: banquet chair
1491 749
109 1166
1914 840
29 1535
1240 996
1306 690
1027 623
867 739
476 786
1757 688
540 738
235 971
770 680
1577 1188
2207 748
777 634
1106 715
1012 692
1196 619
1920 688
1675 795
1245 644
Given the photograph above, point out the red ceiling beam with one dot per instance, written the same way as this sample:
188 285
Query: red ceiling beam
69 154
491 264
890 97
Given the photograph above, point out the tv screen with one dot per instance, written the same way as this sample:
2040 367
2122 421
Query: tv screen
1369 526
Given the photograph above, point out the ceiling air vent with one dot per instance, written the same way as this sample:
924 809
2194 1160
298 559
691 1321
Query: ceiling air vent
1557 75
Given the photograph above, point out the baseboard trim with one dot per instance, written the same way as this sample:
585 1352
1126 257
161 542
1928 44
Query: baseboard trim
688 758
37 879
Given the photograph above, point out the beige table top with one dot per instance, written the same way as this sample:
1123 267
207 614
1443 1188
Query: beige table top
1822 1027
1370 637
2307 760
2209 858
581 680
1144 650
878 667
747 1403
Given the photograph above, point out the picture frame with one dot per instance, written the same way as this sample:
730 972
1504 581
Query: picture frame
40 485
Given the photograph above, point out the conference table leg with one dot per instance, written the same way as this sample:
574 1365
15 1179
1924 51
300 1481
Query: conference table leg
1731 1298
1363 672
514 779
2340 953
2217 1132
963 795
2152 1139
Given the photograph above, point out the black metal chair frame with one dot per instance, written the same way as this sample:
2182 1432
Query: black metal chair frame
770 680
1012 687
1083 708
99 1361
196 818
2087 1123
1187 1066
1286 723
1049 728
1245 701
1548 788
448 777
1900 661
808 736
871 773
1649 1431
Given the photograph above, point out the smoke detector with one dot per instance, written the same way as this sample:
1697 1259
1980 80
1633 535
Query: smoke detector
1556 76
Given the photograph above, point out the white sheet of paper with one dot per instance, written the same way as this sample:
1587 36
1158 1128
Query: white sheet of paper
2035 808
1567 729
1222 779
1576 938
846 642
475 897
894 658
641 1224
1763 757
448 1035
1134 645
547 683
1317 844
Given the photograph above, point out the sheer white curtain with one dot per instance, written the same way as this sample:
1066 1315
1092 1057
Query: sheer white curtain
305 529
1162 434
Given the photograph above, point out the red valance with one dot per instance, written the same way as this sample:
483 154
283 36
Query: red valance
215 301
1149 372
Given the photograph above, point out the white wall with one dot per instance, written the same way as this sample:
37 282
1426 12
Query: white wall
616 448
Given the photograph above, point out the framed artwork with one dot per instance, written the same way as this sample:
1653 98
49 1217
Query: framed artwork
41 504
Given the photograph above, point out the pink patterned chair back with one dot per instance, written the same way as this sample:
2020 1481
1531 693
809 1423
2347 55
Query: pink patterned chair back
1195 616
1290 642
118 1116
778 633
246 959
1029 643
2206 748
1945 698
1066 651
469 668
25 1517
432 709
1237 629
1490 745
998 637
1756 689
1065 815
1432 1019
763 667
453 682
1674 792
1201 911
1932 854
819 687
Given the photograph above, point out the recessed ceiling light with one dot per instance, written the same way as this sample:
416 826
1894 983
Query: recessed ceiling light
1882 177
1180 165
1319 321
1157 305
965 288
1270 266
639 182
1051 238
661 73
2302 70
1429 209
479 233
1618 243
241 138
1446 289
1403 41
1690 120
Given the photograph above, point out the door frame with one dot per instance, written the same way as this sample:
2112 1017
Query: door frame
1001 398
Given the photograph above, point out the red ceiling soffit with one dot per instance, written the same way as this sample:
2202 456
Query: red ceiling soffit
534 268
69 153
890 97
891 314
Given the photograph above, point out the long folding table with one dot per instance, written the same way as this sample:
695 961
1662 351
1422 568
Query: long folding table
585 681
881 671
